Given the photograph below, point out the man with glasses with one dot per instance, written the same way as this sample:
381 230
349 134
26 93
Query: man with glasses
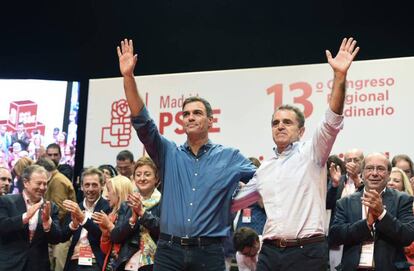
375 224
5 181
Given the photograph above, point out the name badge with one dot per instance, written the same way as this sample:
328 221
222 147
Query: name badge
247 215
133 263
367 255
85 256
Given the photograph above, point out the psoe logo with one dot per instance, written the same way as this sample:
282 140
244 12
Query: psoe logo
118 133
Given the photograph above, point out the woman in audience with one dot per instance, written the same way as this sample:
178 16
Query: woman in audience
137 238
21 164
404 162
399 181
118 188
108 172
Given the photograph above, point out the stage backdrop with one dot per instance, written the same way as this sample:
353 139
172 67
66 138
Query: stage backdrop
378 107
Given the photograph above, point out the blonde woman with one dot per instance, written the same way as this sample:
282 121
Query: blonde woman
118 188
399 181
138 230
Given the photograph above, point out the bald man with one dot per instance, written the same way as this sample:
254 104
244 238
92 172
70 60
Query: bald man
5 181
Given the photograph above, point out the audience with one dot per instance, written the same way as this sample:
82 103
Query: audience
85 233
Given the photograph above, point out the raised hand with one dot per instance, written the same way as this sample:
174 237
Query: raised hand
335 174
103 221
134 201
343 59
75 221
373 200
127 59
46 211
31 211
74 209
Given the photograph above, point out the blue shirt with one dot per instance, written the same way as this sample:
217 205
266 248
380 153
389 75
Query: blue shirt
197 190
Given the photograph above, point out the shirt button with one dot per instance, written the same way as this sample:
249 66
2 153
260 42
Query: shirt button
195 174
193 189
191 204
188 220
197 159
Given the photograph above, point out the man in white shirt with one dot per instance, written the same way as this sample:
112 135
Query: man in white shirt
293 183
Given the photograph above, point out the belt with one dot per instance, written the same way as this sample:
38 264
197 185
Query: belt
295 242
191 241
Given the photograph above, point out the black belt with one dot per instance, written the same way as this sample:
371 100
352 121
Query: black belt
295 242
191 241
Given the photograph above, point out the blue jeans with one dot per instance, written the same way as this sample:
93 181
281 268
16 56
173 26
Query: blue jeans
174 257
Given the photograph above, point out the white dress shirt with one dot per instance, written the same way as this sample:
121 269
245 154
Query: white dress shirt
292 185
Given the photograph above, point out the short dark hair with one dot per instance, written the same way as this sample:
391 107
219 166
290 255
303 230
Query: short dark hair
300 117
54 146
110 168
337 162
47 163
244 237
404 157
28 172
207 105
255 161
125 155
92 171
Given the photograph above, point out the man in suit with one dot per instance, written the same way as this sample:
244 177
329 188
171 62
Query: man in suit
374 224
86 234
59 188
28 224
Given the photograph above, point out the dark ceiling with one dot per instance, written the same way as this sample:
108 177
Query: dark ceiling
76 40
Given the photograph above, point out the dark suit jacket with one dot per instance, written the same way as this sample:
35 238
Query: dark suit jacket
94 233
16 251
392 233
334 193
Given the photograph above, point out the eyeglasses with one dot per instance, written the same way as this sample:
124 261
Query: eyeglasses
6 179
379 169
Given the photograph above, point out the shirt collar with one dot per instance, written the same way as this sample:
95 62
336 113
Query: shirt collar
205 147
93 205
287 151
27 199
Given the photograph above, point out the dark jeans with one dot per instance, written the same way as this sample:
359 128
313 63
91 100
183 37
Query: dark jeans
312 257
170 256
